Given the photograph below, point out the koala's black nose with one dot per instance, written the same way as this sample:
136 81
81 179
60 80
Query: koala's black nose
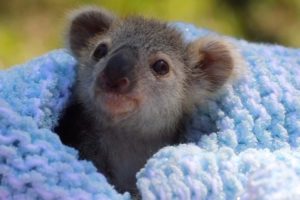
118 75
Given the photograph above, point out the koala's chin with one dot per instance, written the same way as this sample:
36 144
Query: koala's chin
117 106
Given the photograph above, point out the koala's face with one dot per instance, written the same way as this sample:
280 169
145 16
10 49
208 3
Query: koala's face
140 71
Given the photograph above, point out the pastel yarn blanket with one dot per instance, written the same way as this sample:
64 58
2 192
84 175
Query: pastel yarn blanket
242 145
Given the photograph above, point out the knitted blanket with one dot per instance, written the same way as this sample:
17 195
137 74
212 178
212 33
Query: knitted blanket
242 145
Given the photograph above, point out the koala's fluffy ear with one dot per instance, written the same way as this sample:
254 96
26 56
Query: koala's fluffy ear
212 62
85 24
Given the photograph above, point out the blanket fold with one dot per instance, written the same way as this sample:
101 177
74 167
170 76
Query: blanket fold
244 144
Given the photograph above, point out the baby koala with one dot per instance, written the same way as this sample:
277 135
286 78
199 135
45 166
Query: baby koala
137 84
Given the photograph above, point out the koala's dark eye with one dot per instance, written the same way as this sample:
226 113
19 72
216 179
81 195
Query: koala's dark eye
100 51
161 67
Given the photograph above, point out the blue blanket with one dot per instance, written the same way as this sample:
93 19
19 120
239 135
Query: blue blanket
244 144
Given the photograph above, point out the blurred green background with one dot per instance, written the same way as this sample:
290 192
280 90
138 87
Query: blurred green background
29 28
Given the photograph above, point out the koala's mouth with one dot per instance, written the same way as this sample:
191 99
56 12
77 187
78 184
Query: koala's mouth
118 105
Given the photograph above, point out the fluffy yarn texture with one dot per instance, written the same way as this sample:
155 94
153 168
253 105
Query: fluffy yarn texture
242 145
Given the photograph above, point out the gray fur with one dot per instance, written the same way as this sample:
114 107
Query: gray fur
119 145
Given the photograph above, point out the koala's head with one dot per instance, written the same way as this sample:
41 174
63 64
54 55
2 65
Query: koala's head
140 72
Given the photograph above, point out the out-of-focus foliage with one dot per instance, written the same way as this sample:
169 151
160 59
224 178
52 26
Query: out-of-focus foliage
31 27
